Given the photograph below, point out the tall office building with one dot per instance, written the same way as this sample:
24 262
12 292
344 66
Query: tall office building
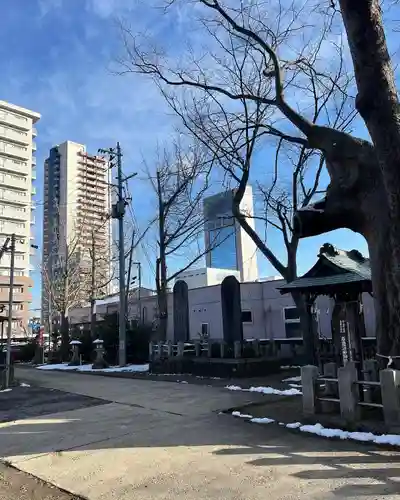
230 246
17 171
76 226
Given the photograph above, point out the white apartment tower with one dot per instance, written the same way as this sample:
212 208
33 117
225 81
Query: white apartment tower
76 226
17 171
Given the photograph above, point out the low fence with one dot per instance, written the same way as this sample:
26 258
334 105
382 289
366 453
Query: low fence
280 348
348 391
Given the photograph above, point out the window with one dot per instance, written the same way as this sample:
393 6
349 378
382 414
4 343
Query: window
223 248
247 317
204 330
291 319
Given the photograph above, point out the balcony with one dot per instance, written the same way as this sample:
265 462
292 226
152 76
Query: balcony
12 119
14 135
13 181
14 197
33 191
34 161
13 166
34 131
14 150
33 220
34 146
9 212
34 174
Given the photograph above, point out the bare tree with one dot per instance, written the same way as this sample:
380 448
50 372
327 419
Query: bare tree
236 118
181 181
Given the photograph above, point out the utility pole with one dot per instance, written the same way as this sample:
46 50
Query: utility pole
10 312
118 212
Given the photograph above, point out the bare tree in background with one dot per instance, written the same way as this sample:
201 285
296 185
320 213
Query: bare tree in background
182 179
236 119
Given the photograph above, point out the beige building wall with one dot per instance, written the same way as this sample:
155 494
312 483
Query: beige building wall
17 172
84 220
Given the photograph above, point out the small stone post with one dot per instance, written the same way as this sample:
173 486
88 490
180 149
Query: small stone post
169 348
349 392
160 349
256 348
222 349
197 348
75 361
181 347
237 349
99 362
309 375
390 389
151 351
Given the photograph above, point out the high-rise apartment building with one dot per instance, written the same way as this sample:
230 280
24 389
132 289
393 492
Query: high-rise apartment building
230 246
76 227
17 171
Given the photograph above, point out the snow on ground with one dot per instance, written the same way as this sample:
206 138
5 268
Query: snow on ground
241 415
266 390
320 430
6 390
297 386
88 368
292 379
22 384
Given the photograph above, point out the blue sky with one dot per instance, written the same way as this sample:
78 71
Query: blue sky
55 58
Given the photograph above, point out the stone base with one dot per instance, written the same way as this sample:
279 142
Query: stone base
98 365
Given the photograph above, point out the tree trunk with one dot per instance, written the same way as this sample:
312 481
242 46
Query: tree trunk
64 329
307 328
378 104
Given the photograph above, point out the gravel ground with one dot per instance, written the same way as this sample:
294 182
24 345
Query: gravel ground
17 485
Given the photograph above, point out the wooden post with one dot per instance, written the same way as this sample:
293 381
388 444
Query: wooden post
331 388
371 374
222 349
160 349
151 351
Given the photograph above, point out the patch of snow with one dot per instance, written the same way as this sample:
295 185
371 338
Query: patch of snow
289 367
296 386
89 368
75 342
184 382
6 390
281 423
263 420
241 415
295 425
292 379
22 384
266 390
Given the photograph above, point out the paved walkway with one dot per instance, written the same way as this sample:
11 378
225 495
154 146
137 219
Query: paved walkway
160 440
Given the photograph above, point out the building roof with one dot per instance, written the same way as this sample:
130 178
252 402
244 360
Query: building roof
334 270
20 110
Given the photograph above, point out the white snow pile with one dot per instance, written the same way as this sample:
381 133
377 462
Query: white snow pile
266 390
320 430
6 390
297 386
292 379
241 415
89 368
288 367
22 384
262 420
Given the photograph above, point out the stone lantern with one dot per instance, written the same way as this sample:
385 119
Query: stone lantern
99 362
75 360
